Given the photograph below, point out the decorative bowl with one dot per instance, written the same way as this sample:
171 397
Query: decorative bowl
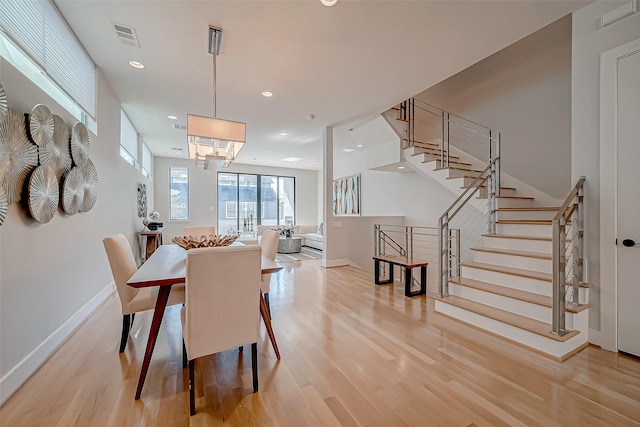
211 240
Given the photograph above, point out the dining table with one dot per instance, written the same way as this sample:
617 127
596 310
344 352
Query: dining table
167 267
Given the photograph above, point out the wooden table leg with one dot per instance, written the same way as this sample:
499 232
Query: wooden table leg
158 313
267 322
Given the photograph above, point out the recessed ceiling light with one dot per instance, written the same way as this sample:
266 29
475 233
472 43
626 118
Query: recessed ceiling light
328 2
359 145
400 167
172 117
292 159
254 159
267 94
348 150
136 64
283 134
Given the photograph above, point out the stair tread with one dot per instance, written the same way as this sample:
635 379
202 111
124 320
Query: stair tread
485 185
514 293
454 162
525 221
433 154
522 322
459 169
550 209
402 120
515 236
547 277
510 197
528 254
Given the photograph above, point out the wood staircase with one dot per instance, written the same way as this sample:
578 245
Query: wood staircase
506 286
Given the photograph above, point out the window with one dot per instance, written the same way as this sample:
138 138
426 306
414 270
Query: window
146 161
128 140
41 33
179 193
231 211
246 200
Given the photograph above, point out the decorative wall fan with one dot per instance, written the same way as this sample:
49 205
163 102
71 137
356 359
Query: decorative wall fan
79 144
3 205
18 156
3 103
57 154
44 193
73 191
41 125
90 184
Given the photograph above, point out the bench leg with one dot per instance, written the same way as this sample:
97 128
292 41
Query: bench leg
376 273
408 281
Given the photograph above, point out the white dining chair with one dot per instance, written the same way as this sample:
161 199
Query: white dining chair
132 300
196 231
222 305
269 244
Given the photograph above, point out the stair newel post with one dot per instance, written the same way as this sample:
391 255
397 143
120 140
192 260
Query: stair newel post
446 164
412 121
559 307
458 253
578 245
443 258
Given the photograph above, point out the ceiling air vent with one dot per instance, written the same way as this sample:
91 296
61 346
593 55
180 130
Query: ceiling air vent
179 127
126 35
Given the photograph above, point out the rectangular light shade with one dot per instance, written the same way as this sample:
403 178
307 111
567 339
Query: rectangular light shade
211 128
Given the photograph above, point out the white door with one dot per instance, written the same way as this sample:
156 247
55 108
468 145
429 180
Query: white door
628 202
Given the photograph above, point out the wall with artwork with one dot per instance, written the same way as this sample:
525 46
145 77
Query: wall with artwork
55 274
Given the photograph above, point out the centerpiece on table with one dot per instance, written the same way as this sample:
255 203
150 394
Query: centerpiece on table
287 231
191 242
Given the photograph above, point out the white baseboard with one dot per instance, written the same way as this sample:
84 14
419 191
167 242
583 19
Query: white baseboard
335 262
27 366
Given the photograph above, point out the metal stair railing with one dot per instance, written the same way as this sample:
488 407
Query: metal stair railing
428 124
569 221
461 226
407 241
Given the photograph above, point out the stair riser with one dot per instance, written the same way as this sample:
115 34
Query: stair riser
535 341
514 203
526 263
523 215
525 229
523 308
537 286
544 246
528 284
459 173
505 192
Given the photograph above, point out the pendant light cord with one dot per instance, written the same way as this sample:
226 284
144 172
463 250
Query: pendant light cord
214 85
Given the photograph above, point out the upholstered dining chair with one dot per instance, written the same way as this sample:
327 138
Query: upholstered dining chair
199 231
269 244
132 300
222 305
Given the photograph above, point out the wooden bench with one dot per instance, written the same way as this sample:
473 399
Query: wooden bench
409 264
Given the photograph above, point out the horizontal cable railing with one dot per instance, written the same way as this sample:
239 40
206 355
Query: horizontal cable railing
410 242
461 226
568 255
428 124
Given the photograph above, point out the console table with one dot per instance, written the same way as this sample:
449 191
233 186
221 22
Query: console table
409 264
154 240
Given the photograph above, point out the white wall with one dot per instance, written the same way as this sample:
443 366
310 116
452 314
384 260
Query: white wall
53 275
524 91
589 41
203 192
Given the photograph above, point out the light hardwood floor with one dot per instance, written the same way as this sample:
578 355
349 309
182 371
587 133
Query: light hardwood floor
352 354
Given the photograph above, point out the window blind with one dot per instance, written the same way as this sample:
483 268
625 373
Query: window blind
128 136
39 29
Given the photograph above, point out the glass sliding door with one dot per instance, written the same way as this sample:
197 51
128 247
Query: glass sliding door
227 203
268 200
248 203
286 200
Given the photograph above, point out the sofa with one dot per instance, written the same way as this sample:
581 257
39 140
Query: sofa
311 235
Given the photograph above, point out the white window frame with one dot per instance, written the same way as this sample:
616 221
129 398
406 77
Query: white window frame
171 219
128 140
146 161
227 205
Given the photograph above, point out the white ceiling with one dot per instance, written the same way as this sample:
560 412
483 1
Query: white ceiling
344 64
